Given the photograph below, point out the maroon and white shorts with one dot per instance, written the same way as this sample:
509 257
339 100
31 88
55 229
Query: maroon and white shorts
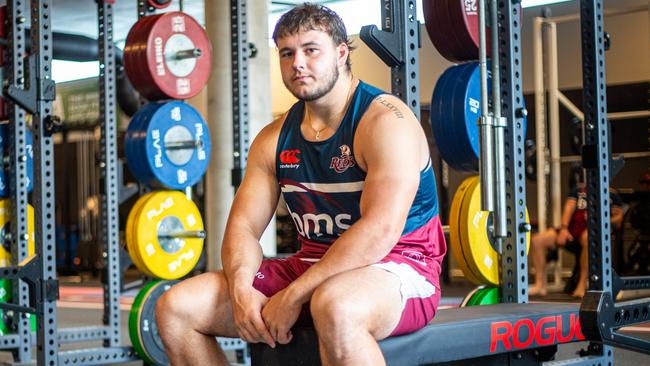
420 297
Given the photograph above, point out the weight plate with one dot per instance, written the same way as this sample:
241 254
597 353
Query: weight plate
133 141
468 298
5 227
439 30
454 230
439 117
485 296
5 296
466 112
164 213
130 237
143 328
464 18
4 151
481 258
170 56
175 149
159 4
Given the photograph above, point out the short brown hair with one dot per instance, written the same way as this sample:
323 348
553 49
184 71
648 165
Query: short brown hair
309 16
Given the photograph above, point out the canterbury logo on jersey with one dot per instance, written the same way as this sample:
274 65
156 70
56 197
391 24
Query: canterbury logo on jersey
289 159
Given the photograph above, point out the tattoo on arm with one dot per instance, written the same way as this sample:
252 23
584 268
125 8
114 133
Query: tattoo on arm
391 107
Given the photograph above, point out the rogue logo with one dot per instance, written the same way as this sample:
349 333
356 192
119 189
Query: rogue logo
547 331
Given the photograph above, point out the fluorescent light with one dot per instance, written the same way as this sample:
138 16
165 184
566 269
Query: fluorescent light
529 3
71 70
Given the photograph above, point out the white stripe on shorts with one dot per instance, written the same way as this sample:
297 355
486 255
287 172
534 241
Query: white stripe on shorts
412 284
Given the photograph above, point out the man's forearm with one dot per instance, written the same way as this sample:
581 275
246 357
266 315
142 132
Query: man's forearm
241 255
358 247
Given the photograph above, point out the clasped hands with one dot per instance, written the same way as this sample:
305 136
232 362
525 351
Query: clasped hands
262 319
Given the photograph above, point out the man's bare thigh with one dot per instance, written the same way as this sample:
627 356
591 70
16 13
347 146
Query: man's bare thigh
206 304
375 291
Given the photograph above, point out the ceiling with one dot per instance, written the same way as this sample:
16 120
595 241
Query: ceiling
78 16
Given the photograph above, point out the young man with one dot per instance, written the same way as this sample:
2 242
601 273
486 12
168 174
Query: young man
572 236
353 166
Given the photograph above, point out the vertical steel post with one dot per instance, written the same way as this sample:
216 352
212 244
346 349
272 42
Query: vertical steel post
485 122
240 128
540 121
554 124
109 170
514 269
41 49
596 153
404 77
18 177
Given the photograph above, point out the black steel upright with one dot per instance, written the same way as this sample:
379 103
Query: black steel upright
18 171
600 317
42 84
514 269
109 165
240 98
398 44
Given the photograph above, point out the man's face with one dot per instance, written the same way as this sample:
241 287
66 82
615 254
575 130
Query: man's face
309 62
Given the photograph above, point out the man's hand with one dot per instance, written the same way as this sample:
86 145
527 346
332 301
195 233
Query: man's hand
247 312
280 314
563 237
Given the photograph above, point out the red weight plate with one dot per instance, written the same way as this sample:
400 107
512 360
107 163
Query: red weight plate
144 81
168 85
440 38
461 53
464 17
159 4
132 49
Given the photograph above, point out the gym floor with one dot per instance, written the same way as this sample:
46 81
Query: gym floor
81 306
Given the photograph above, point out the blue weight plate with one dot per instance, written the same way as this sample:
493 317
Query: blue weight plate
455 117
134 138
466 106
4 151
440 112
436 117
450 116
176 169
146 174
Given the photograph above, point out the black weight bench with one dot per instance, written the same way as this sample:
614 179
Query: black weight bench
454 334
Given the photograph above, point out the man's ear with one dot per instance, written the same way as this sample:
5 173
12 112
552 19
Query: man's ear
343 52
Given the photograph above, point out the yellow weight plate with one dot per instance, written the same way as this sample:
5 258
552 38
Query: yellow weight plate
454 230
5 219
130 237
164 213
482 259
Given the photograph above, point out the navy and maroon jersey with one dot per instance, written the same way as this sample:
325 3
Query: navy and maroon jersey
322 185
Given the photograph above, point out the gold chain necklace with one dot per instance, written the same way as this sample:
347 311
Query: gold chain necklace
308 117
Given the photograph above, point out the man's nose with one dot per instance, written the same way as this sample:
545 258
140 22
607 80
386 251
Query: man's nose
298 61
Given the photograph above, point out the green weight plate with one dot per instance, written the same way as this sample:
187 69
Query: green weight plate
143 329
5 296
487 296
469 296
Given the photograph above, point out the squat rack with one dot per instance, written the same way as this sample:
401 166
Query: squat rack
481 331
34 94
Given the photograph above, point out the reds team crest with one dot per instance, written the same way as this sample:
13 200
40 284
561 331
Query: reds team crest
343 162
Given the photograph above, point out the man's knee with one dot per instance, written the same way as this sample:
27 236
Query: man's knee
331 308
168 308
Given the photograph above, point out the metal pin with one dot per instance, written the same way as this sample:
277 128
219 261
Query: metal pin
200 234
191 53
183 145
